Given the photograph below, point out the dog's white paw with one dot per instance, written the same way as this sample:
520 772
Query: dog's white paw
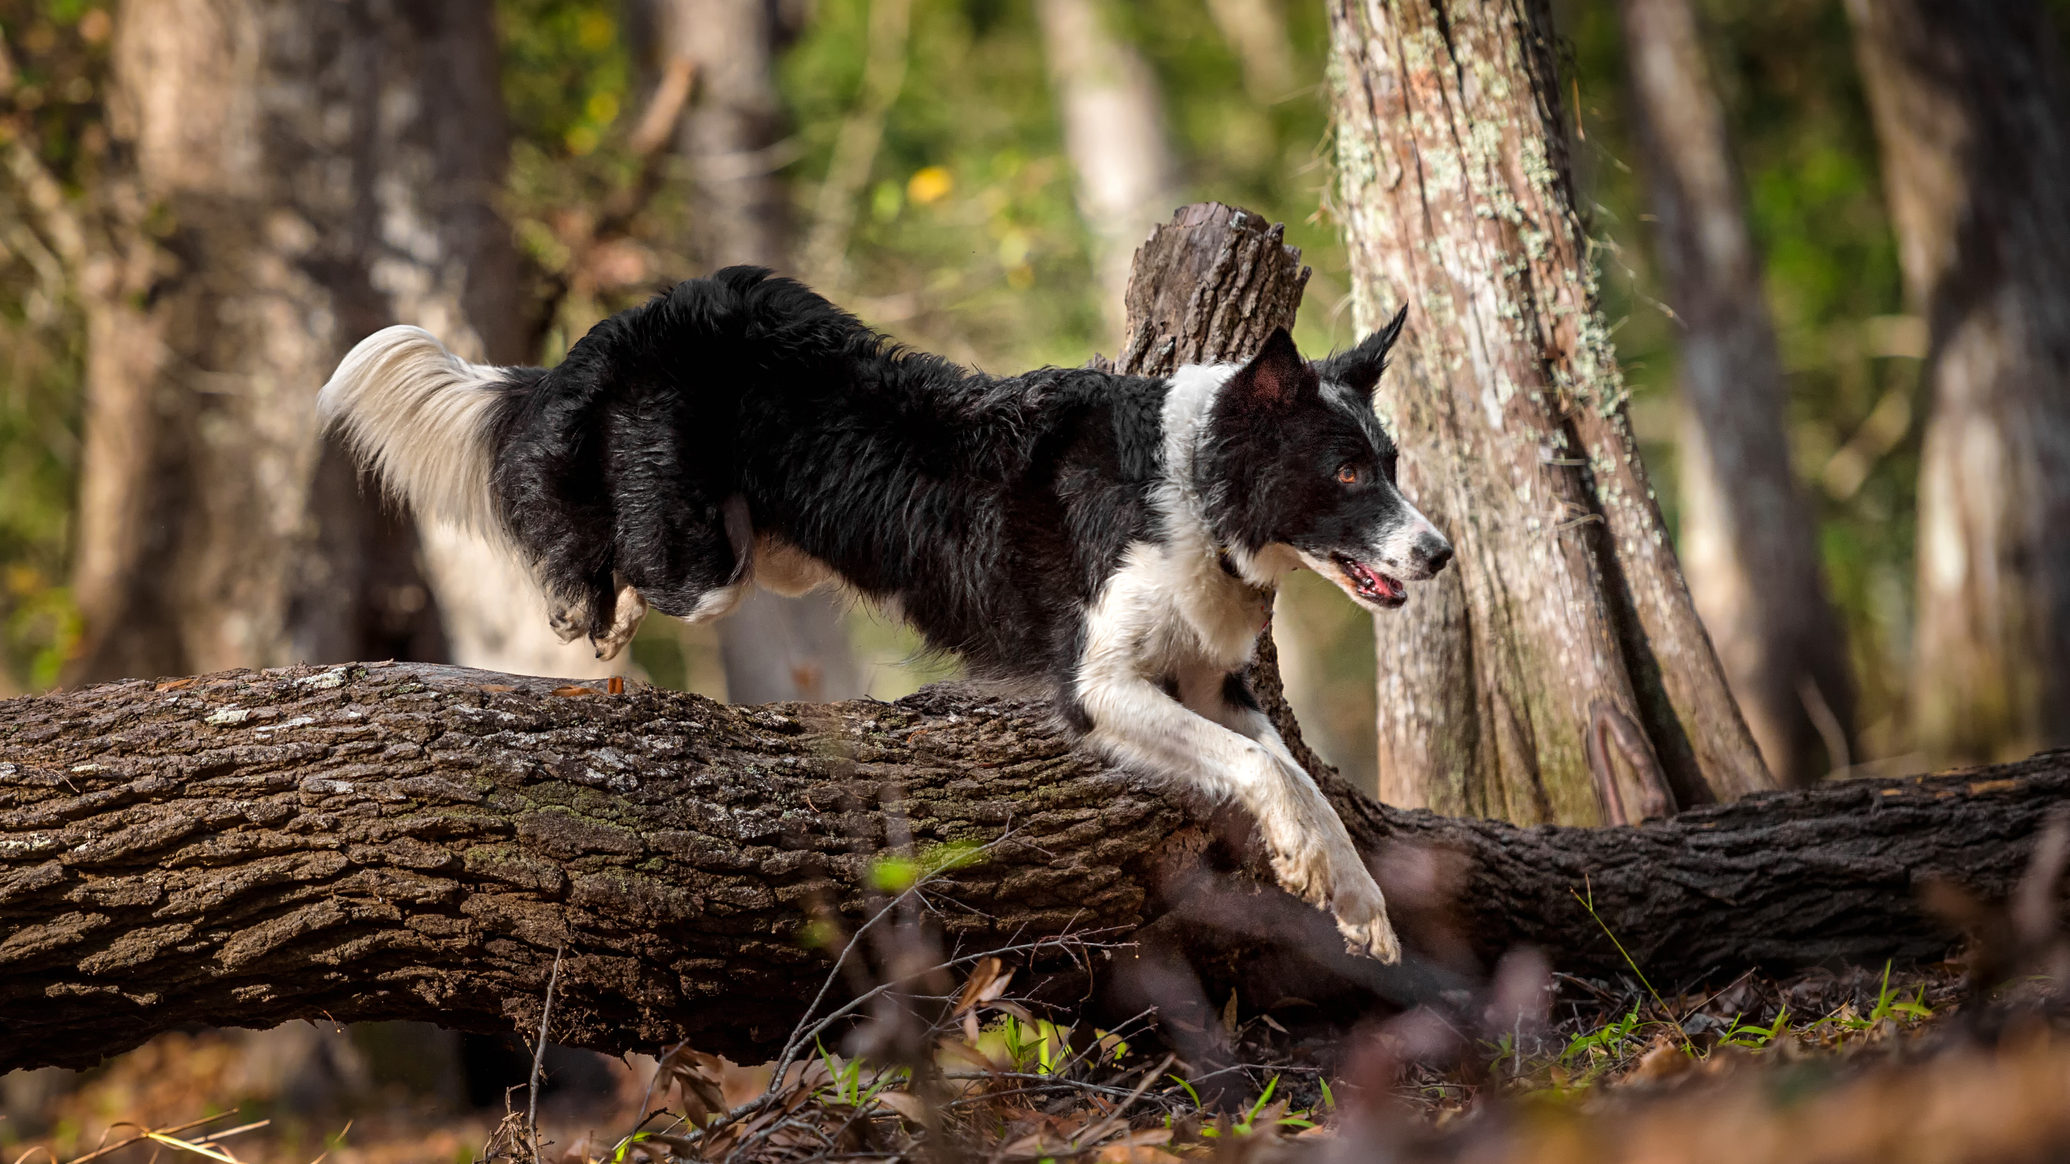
626 617
1304 873
1328 873
1361 914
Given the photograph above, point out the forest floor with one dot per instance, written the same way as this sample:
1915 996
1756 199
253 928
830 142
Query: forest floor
1868 1064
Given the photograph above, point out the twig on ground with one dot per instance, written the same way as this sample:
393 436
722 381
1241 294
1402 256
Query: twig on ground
553 979
142 1135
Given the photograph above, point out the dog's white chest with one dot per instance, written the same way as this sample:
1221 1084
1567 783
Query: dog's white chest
1170 608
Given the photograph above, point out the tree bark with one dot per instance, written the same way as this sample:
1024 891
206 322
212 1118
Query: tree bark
416 841
772 647
297 175
1114 134
1748 535
1559 672
1970 104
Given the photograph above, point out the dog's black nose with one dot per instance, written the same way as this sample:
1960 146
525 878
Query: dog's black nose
1436 552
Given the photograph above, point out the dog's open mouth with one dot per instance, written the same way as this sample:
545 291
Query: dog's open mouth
1371 584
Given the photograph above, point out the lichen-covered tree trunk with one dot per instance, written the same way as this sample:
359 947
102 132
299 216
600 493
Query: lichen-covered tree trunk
1560 672
1971 108
772 647
1749 537
294 176
415 841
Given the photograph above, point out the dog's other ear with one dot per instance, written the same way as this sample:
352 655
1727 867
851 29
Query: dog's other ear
1361 366
1275 377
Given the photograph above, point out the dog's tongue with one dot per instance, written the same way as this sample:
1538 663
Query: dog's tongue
1387 587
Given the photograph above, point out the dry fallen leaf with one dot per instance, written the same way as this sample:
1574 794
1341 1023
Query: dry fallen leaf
987 982
908 1106
573 690
1133 1154
1663 1060
700 1079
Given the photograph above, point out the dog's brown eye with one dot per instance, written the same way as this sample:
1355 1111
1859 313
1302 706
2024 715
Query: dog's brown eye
1348 475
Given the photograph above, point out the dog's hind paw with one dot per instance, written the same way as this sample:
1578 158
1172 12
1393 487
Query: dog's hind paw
567 619
625 623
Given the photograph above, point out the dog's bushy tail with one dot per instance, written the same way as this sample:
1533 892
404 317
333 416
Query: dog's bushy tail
425 422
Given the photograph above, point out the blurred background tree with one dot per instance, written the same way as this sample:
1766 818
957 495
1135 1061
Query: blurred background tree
921 155
1748 540
732 140
1969 103
1606 705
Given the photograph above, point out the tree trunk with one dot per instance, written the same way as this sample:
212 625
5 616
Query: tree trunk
1748 534
492 610
772 647
416 841
1257 32
1559 673
1970 106
301 174
1114 134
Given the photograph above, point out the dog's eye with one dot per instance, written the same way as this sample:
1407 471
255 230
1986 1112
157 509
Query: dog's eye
1349 475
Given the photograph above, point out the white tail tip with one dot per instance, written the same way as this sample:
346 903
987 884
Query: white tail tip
421 418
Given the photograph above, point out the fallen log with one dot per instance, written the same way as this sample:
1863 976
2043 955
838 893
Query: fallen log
413 841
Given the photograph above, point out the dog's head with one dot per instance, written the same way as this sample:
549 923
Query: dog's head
1294 457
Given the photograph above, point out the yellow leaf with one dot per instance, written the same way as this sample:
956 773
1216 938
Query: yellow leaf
929 184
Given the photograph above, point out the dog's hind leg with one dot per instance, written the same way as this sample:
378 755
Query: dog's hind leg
689 557
682 537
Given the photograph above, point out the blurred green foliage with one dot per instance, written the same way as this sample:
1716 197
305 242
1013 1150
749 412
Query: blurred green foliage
57 53
966 240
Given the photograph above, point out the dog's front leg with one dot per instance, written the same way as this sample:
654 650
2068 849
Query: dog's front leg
1327 856
1311 852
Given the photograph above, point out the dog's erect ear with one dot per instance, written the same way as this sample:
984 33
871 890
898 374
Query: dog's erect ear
1361 366
1275 377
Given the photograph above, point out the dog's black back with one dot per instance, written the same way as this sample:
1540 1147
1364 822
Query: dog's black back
990 509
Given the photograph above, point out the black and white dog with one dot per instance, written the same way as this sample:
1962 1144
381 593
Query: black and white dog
1114 538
